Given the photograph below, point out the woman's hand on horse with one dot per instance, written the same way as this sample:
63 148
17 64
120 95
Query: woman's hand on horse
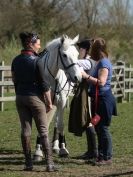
49 107
84 74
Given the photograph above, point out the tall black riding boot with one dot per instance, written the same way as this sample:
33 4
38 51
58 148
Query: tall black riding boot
48 154
91 145
25 140
91 142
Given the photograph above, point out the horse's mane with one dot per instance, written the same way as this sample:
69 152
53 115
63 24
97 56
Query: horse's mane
53 44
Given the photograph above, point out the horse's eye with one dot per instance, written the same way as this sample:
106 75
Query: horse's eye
64 55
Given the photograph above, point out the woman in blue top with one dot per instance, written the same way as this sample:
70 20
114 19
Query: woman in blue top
106 101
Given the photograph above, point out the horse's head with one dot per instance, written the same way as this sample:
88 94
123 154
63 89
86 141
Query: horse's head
68 55
64 55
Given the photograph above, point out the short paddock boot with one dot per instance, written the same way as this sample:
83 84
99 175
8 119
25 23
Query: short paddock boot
51 168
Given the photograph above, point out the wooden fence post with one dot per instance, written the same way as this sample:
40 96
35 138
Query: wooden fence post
129 84
2 87
122 78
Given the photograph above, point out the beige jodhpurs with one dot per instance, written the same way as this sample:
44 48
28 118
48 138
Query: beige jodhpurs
32 107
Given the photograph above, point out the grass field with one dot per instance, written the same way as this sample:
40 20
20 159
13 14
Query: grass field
11 157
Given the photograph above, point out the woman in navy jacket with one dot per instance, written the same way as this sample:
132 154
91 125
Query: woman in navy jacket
33 98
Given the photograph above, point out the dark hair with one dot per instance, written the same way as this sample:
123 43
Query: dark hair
85 43
27 38
98 49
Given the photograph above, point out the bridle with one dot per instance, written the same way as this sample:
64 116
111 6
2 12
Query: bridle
62 62
59 56
61 59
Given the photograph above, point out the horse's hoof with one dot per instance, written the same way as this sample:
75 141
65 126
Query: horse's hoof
63 155
56 148
38 154
37 158
63 152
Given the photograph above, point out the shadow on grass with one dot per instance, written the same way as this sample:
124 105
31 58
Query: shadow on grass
119 174
6 152
14 157
17 161
21 170
13 160
10 157
68 160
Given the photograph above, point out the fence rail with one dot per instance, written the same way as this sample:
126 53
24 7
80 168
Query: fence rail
5 82
122 82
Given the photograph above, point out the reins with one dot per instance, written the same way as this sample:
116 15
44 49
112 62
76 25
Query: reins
62 62
56 80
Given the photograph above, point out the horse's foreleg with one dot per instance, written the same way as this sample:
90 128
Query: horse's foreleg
55 142
62 142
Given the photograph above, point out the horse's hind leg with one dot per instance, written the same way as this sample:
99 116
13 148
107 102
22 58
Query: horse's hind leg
55 142
62 144
38 155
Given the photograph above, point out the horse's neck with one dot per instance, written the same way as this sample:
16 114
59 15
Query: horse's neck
53 72
53 64
51 69
64 87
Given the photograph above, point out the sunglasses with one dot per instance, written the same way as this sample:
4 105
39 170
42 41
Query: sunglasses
34 38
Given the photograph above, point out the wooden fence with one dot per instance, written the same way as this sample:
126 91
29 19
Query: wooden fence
122 83
5 83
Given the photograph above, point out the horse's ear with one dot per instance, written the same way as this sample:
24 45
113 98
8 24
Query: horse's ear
65 41
63 38
75 40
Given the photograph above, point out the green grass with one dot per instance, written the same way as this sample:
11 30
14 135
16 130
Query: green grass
11 157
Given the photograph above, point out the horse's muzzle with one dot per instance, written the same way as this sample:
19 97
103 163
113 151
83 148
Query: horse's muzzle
77 80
